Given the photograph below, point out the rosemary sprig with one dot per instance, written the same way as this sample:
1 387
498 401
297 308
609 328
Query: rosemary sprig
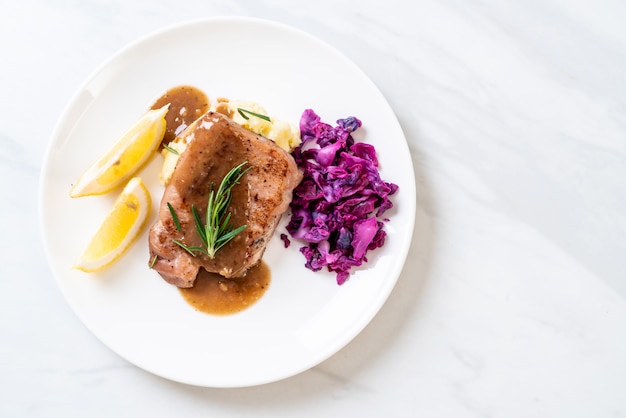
216 230
243 112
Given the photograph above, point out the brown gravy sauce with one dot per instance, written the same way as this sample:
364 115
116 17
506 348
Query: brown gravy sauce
214 294
187 103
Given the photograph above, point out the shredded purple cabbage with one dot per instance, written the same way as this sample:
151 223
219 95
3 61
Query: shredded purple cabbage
285 240
336 207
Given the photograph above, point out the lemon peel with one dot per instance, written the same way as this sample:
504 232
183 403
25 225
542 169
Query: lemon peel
125 157
123 224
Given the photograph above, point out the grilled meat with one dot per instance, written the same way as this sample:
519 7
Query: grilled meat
216 144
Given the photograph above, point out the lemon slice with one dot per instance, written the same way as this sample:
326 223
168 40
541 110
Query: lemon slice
124 158
120 228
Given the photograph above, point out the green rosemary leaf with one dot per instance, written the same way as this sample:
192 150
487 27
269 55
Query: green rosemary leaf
199 227
190 249
243 112
174 216
170 149
231 234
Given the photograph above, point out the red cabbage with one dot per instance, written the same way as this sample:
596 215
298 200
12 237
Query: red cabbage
336 207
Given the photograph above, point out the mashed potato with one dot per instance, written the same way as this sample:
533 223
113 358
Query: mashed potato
283 133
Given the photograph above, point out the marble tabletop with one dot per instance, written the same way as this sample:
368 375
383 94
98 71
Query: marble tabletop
512 300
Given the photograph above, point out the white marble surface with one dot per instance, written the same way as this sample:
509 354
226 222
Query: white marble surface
512 303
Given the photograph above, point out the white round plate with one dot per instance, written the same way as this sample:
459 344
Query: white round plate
304 317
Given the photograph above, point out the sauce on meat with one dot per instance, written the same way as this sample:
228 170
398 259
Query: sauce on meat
197 175
214 294
187 103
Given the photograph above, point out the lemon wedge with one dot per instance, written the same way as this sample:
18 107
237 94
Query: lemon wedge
119 229
125 157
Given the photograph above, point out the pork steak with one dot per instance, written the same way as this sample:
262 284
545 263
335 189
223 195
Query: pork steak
216 144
